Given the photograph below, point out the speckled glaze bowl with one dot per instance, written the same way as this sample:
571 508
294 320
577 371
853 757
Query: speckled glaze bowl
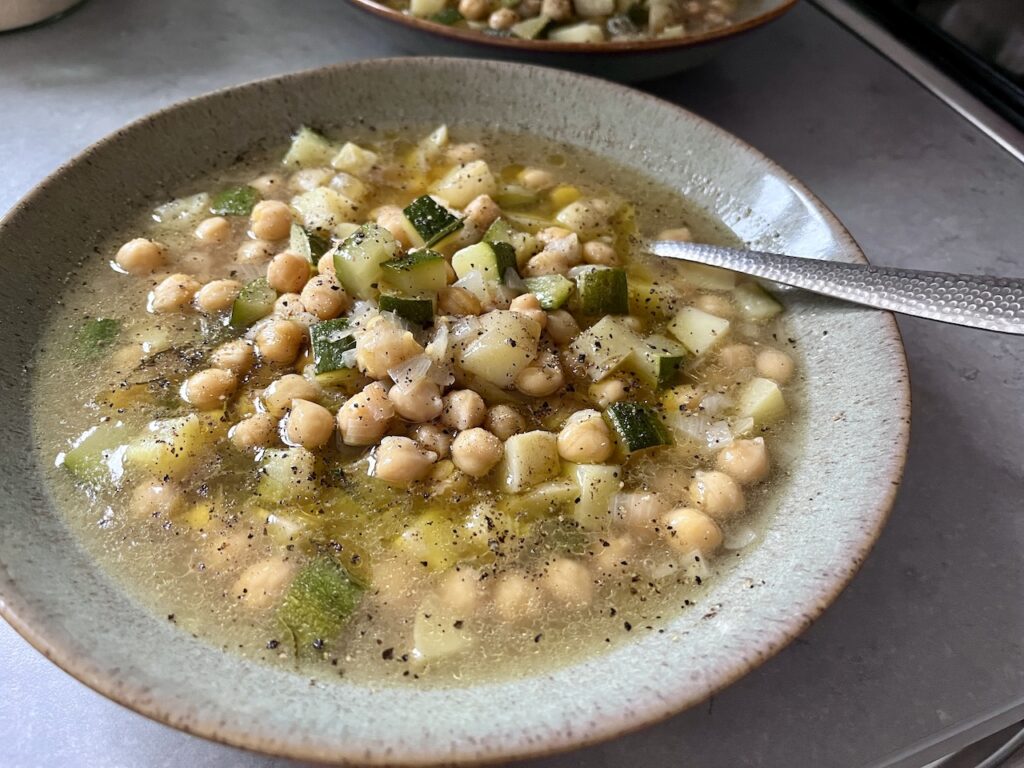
853 433
627 61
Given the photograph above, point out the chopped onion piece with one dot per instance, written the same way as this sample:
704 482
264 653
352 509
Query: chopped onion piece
742 537
348 358
718 435
513 281
715 404
411 372
474 283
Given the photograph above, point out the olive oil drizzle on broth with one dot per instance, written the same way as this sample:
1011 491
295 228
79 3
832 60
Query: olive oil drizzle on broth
510 605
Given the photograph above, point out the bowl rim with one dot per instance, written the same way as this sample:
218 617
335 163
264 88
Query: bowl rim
32 627
625 47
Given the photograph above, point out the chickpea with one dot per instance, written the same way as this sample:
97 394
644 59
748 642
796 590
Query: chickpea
209 389
773 364
268 185
458 301
279 341
505 421
418 403
568 581
474 10
602 254
217 295
384 345
608 391
562 327
546 262
482 210
736 357
254 252
688 529
542 377
502 18
215 229
568 246
585 438
287 272
549 235
745 461
681 234
324 297
640 512
528 304
262 584
365 417
256 431
236 356
393 220
556 10
614 554
326 265
289 306
716 305
717 494
400 460
277 398
432 438
460 154
173 294
514 596
271 220
461 590
157 498
140 256
475 451
309 424
536 179
463 409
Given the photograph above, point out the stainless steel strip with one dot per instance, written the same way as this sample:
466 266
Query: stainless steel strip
952 93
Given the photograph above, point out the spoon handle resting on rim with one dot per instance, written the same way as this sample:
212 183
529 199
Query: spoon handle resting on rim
976 301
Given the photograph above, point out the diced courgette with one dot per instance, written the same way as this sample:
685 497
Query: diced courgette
438 632
330 340
432 222
597 484
172 447
756 303
420 272
506 344
603 291
636 426
309 150
650 298
501 231
658 361
604 347
307 244
698 330
515 196
447 16
530 458
319 601
234 201
254 302
552 291
353 159
96 336
286 475
94 456
584 32
325 210
358 259
761 400
491 260
414 309
426 8
530 29
465 182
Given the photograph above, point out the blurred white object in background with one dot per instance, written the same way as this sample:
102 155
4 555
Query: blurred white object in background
21 13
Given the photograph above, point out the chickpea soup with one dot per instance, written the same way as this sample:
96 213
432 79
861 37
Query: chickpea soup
414 409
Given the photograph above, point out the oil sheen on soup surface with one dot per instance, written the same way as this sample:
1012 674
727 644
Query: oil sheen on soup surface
413 406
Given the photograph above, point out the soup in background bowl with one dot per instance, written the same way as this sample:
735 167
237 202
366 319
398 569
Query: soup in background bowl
466 565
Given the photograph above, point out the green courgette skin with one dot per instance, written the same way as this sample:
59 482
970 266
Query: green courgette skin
637 426
415 310
552 291
255 302
318 603
419 272
234 201
603 292
329 344
431 221
308 244
96 336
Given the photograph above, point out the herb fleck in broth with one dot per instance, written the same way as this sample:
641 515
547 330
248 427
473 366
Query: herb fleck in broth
483 544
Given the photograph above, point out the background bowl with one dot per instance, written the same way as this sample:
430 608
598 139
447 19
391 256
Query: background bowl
626 61
827 513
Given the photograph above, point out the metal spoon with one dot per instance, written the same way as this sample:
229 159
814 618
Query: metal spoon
977 301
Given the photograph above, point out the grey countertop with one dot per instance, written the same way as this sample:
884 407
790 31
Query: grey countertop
928 642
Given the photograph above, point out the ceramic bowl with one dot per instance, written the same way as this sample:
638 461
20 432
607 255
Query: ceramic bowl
625 61
852 433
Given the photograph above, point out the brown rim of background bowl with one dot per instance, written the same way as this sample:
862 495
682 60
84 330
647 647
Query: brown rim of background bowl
461 35
139 700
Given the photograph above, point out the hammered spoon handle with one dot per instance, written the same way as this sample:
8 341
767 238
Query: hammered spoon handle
976 301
